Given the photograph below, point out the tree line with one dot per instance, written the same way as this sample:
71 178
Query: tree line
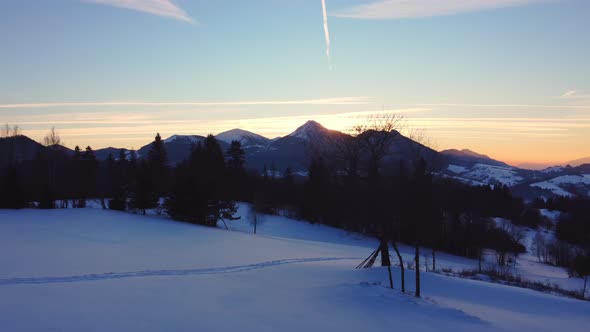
350 187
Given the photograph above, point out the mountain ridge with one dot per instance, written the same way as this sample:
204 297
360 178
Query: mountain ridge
296 149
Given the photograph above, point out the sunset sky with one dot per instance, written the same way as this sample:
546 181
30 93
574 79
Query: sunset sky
508 78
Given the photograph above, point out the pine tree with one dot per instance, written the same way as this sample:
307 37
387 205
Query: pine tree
144 196
119 183
198 195
158 165
236 157
11 190
84 173
289 177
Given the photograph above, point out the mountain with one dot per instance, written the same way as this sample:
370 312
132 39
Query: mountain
63 150
579 162
103 154
178 147
296 149
311 130
567 185
245 137
477 169
467 156
250 141
17 149
534 166
486 174
293 150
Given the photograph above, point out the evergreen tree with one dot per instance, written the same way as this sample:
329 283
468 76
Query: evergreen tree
119 183
144 196
236 180
288 177
11 189
236 157
158 165
198 195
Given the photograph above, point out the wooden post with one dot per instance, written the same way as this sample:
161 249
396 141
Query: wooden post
417 258
401 265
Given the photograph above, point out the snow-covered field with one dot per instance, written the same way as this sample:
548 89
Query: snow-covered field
487 174
98 270
555 184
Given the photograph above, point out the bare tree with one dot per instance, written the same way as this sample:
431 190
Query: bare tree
16 131
8 131
52 138
539 247
375 138
5 131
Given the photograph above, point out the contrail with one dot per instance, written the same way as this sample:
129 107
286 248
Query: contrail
326 29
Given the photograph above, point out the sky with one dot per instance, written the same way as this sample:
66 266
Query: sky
507 78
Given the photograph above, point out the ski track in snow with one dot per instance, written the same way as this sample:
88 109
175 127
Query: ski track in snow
164 273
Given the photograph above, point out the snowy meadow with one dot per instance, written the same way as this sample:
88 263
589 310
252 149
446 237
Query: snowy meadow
100 270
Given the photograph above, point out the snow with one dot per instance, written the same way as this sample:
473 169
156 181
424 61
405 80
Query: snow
457 169
554 169
554 185
493 174
193 139
242 136
308 130
100 270
553 216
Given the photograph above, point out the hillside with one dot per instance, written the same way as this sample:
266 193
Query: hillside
579 162
131 273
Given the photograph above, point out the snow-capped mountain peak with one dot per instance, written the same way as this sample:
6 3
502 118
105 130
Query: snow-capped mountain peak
192 138
245 137
310 129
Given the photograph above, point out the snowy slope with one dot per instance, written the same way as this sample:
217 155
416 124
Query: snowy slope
309 130
553 169
488 174
248 139
561 184
96 270
187 138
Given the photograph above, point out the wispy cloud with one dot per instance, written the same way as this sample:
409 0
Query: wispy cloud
575 94
326 28
578 99
399 9
322 101
508 106
156 7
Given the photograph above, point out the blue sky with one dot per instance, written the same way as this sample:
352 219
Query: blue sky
510 78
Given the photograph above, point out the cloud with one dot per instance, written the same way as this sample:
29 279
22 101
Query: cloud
155 7
499 105
322 101
575 94
326 28
400 9
569 93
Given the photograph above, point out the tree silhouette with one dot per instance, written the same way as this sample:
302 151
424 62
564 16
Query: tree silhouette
198 195
158 166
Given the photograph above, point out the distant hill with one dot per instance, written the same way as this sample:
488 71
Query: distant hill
470 157
178 147
579 162
17 149
103 154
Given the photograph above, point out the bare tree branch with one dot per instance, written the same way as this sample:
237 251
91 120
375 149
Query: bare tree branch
52 138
